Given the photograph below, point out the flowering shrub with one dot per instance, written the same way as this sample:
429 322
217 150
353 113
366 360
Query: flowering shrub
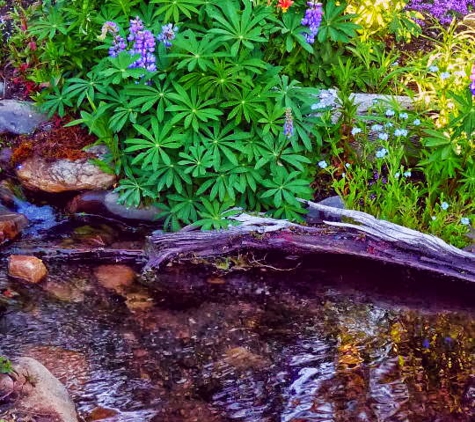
442 10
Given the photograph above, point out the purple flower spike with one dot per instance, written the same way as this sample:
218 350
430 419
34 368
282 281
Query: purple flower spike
312 19
167 35
289 123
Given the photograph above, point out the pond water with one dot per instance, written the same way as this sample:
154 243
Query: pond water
335 340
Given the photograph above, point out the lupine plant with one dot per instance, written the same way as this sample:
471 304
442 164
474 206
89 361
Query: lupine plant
195 118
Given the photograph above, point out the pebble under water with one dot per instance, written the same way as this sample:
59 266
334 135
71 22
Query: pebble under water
336 340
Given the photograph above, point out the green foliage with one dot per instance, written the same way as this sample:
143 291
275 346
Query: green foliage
5 365
203 135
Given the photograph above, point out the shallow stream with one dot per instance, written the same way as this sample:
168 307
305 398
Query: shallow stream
335 340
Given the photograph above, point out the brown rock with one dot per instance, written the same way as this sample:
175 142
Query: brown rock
115 277
28 268
11 224
63 291
63 175
101 413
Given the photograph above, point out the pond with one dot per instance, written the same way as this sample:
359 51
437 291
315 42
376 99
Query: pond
333 340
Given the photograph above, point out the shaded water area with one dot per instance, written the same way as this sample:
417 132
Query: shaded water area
334 340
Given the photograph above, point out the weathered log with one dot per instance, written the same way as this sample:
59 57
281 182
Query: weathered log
363 236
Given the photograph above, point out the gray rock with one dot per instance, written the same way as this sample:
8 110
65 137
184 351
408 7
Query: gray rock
328 98
40 391
317 217
19 117
142 213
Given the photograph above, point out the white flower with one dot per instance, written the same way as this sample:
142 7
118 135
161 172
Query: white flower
377 128
445 75
403 116
465 221
390 113
400 132
407 173
444 205
383 136
416 122
322 164
381 153
355 130
347 165
434 218
433 68
397 175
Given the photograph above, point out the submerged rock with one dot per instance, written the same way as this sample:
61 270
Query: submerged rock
11 224
62 175
19 117
115 277
103 202
40 393
28 268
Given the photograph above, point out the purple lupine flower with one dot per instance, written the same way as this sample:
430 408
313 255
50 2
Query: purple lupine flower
289 123
144 45
472 78
312 19
168 34
118 43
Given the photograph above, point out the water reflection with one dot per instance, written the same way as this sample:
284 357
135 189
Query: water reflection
254 348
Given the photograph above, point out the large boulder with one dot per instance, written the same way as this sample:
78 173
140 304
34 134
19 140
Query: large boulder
19 117
62 175
39 392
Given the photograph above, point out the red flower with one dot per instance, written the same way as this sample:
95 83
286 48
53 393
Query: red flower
284 5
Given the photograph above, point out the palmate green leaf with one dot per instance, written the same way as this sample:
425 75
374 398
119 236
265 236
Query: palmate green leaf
277 152
154 144
197 160
149 96
195 53
215 213
172 10
121 70
272 119
217 185
49 25
286 188
185 206
336 25
247 103
223 143
121 116
55 102
82 89
243 28
169 176
291 28
191 109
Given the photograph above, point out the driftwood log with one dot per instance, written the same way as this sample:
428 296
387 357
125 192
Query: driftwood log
359 235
